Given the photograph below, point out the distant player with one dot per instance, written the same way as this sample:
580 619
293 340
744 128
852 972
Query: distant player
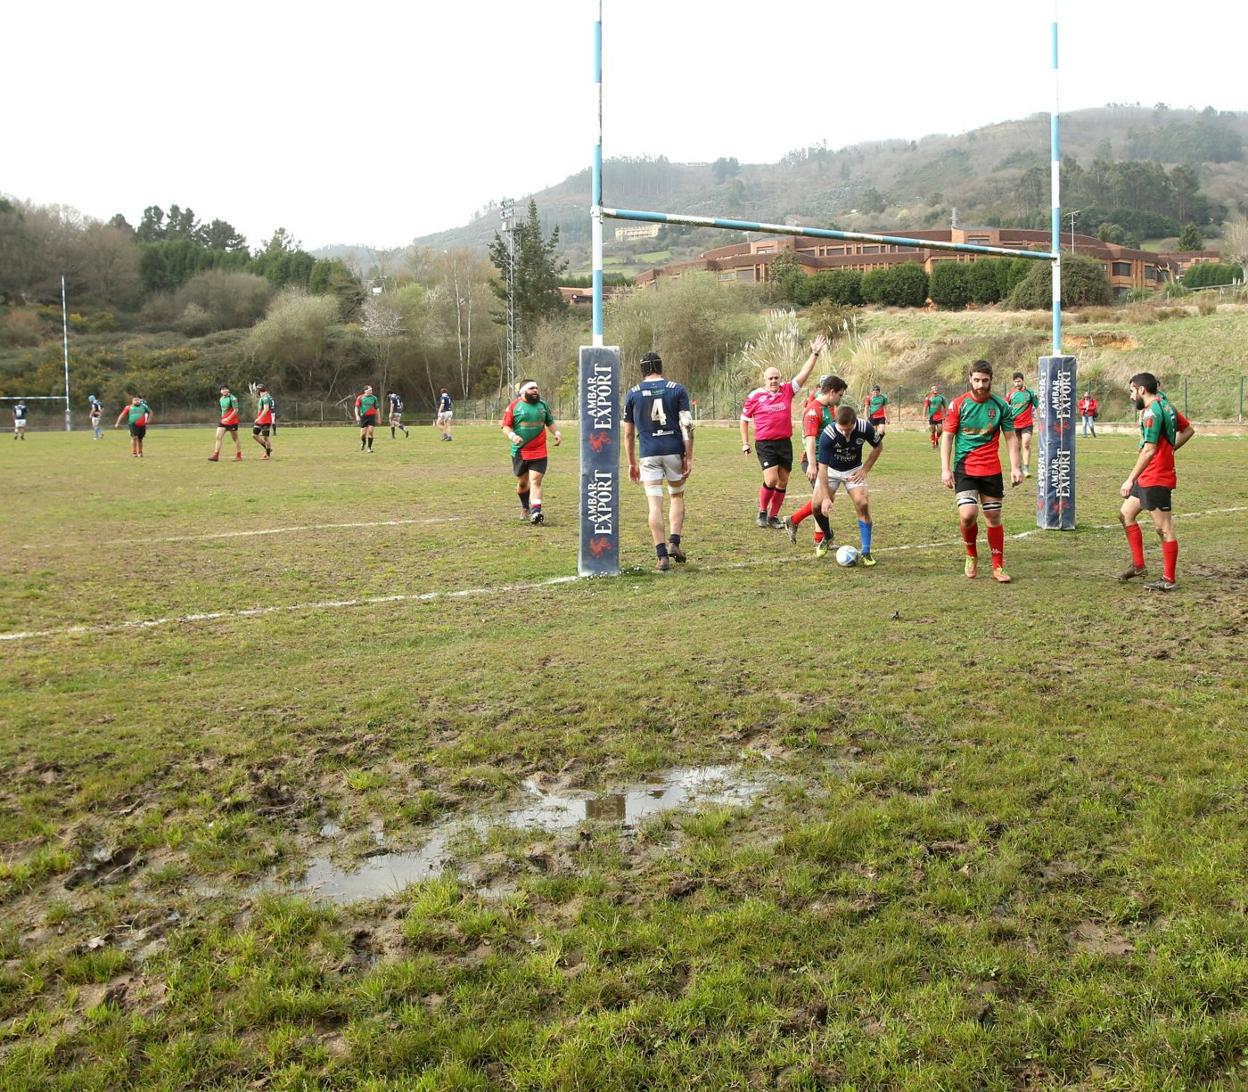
970 463
1087 412
818 413
366 411
659 411
525 422
445 413
138 415
228 423
396 415
934 412
1163 430
266 421
876 406
841 463
19 421
94 414
1023 402
770 408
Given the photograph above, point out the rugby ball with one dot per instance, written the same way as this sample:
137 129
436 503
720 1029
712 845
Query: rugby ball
846 556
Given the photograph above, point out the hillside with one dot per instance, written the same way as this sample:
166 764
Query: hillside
996 174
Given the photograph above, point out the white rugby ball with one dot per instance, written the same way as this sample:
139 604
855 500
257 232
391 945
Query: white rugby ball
847 556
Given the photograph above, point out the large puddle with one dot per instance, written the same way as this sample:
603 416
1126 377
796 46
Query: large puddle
388 873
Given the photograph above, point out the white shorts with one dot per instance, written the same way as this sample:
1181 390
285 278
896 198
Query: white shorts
837 478
20 422
445 417
657 469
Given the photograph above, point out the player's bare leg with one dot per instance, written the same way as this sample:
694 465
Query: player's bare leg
862 505
523 491
779 484
766 495
654 517
968 524
216 447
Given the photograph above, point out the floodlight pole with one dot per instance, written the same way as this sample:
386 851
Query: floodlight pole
595 211
65 332
1055 184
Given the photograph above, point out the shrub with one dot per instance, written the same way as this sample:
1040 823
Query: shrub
951 285
1207 274
1084 281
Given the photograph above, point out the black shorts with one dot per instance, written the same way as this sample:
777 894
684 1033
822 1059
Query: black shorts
259 430
368 420
1025 430
990 485
774 453
523 466
138 431
228 428
1152 498
878 422
935 422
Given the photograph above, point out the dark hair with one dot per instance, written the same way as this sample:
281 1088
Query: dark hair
845 415
1146 380
651 364
981 366
1018 375
261 387
832 383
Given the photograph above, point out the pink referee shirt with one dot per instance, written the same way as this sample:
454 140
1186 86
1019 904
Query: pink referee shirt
772 414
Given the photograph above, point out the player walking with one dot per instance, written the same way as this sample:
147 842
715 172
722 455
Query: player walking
266 421
1162 432
396 415
19 421
1087 411
1023 402
840 463
876 405
228 423
366 410
94 414
970 462
770 407
525 422
934 412
445 413
659 410
819 412
138 415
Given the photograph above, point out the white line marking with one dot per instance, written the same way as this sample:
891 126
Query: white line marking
269 531
467 593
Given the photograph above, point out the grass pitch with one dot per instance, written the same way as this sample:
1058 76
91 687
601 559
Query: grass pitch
1001 844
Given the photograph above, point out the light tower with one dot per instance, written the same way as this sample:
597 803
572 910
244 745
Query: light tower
507 213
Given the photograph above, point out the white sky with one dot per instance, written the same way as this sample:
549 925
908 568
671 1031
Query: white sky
377 122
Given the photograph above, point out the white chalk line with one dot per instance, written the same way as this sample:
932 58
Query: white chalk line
257 532
468 593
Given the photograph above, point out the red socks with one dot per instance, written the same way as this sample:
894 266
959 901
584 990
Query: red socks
1169 559
764 498
1135 539
801 513
969 535
777 502
996 543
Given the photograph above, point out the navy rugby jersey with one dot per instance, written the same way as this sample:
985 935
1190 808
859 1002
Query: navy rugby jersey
654 406
841 452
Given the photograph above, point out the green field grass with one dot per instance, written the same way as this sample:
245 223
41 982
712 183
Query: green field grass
995 836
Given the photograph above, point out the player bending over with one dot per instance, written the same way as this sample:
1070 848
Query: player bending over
525 423
840 463
659 410
970 462
818 413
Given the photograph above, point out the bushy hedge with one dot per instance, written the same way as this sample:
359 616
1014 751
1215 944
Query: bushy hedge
1205 274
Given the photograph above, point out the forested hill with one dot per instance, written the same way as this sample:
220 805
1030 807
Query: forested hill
1147 170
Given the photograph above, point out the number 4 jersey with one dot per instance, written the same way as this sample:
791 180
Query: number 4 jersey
658 408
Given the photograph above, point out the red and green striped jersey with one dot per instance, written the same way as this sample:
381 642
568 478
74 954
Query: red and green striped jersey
934 406
1021 404
264 410
229 409
1159 425
137 415
528 420
875 407
976 427
366 404
816 417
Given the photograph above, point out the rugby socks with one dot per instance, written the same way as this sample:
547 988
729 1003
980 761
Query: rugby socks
392 435
802 513
996 543
1169 559
535 507
524 500
864 536
661 550
825 526
676 541
370 443
1135 539
777 502
361 443
764 499
969 535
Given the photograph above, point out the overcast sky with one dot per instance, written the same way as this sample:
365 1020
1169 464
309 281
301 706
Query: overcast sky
378 122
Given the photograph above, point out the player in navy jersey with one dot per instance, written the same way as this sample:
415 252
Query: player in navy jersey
19 421
396 415
841 463
445 414
658 410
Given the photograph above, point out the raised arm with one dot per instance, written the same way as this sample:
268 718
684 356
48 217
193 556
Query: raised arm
816 347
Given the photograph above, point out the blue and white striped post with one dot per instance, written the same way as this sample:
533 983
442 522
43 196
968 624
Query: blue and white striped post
598 387
1056 383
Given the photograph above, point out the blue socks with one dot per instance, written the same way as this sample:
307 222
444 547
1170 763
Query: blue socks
864 536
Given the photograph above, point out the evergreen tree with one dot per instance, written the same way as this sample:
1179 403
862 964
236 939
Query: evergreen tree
1191 238
538 268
